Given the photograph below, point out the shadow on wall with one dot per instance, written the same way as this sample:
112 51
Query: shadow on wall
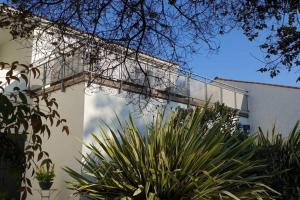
103 107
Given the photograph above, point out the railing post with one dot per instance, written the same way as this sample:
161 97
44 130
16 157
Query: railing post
221 95
235 106
62 84
121 78
44 75
188 87
169 81
247 105
205 89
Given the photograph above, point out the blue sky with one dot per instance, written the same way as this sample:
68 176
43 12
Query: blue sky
237 59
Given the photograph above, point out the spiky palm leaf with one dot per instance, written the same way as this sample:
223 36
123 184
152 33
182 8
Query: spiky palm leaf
171 161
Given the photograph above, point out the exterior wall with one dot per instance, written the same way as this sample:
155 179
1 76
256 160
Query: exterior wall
271 105
84 109
14 50
64 149
105 104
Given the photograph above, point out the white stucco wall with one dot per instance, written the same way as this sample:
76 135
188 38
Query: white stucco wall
63 149
14 50
105 104
84 110
269 105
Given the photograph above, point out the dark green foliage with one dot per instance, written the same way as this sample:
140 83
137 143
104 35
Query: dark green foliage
215 112
12 164
186 160
28 115
283 159
279 21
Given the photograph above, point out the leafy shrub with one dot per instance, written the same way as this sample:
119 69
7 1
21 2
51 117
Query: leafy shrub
283 158
170 160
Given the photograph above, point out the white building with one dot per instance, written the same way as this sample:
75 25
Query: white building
258 104
270 105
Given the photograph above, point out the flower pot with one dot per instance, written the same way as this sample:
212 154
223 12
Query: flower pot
45 185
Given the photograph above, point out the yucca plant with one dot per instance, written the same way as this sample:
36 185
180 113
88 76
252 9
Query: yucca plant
169 160
282 156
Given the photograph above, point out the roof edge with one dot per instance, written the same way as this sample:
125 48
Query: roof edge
258 83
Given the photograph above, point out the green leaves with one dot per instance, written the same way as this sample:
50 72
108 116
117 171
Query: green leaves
277 20
21 114
45 173
169 160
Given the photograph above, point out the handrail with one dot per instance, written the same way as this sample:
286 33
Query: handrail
190 97
186 73
216 81
183 76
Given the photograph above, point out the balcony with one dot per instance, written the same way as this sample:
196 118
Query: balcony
175 85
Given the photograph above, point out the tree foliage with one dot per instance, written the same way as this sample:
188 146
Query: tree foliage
279 21
169 29
28 114
170 160
283 161
215 112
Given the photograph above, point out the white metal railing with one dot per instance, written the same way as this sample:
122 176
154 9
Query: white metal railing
181 83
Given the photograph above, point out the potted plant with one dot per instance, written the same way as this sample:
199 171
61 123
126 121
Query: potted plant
45 176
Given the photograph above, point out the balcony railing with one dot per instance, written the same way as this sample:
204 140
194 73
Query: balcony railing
183 84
